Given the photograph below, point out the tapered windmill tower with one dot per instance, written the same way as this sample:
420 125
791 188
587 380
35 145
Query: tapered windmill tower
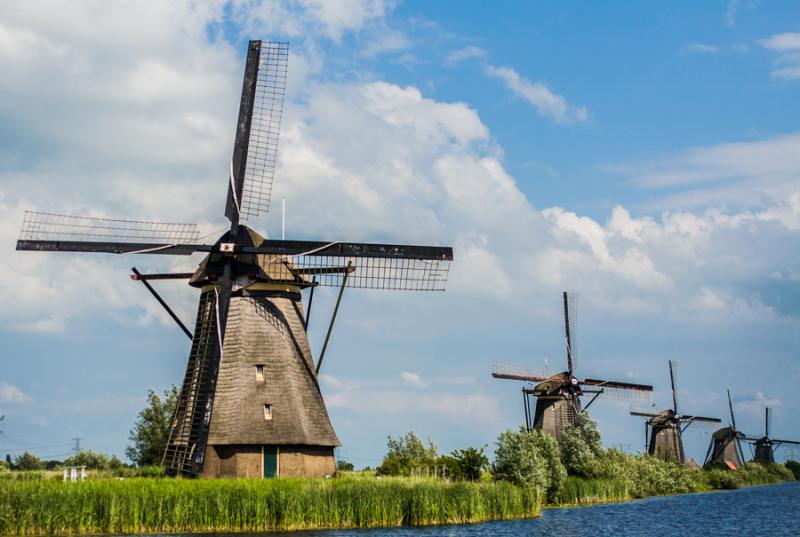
250 402
765 446
558 394
666 427
726 443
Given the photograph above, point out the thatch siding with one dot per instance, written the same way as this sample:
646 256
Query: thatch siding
268 332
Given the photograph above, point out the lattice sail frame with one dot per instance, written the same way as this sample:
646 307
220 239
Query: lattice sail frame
262 152
62 227
572 312
515 370
627 395
392 274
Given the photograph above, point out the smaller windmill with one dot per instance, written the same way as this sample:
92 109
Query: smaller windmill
558 395
726 443
665 428
765 446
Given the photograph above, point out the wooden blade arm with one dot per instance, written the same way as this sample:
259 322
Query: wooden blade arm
351 249
112 247
618 385
700 418
519 376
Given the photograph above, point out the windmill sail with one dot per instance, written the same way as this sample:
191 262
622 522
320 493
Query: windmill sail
42 231
256 146
571 328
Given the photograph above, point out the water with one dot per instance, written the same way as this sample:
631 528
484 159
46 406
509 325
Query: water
772 511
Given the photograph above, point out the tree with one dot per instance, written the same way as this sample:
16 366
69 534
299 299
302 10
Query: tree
580 447
28 461
344 466
529 458
471 462
406 452
148 438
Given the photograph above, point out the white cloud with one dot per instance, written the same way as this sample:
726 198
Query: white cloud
466 53
701 48
11 394
782 42
295 18
754 405
787 48
540 97
412 379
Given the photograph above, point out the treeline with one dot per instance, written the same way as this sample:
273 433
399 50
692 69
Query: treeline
575 468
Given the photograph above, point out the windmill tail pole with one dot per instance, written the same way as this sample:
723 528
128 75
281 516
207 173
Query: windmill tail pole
335 311
138 276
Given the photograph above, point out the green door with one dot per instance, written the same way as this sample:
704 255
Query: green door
270 461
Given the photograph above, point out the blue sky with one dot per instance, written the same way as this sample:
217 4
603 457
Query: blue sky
642 154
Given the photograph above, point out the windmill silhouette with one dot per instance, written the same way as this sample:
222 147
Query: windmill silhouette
726 443
558 394
666 427
765 446
250 402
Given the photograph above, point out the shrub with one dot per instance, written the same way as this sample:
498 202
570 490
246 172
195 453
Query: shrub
28 461
531 459
470 462
794 467
406 452
580 447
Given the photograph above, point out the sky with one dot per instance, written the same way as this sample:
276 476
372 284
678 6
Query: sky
645 155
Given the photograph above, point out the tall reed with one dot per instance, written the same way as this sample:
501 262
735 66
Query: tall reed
579 491
144 505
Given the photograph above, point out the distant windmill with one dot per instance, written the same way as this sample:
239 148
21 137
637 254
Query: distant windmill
558 395
765 446
666 427
250 402
726 443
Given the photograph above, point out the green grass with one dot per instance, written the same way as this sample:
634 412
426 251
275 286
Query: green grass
144 505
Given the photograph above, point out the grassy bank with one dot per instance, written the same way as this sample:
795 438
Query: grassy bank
156 506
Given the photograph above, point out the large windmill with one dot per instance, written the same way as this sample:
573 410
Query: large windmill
726 445
558 394
666 427
250 403
765 446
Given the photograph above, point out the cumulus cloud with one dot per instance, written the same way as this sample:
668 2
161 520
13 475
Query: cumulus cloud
538 95
297 18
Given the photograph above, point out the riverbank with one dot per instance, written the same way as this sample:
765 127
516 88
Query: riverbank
153 505
144 505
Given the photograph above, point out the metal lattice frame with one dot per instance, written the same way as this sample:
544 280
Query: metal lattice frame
571 310
62 227
262 152
401 274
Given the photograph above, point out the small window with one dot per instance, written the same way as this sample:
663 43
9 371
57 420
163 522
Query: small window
259 373
267 412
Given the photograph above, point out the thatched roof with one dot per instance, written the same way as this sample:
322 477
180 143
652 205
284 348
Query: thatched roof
268 332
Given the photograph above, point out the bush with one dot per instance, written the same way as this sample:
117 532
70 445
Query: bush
794 467
530 459
580 447
406 452
28 461
646 475
344 466
470 463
